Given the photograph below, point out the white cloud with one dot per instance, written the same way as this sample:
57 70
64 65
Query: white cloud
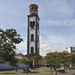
66 22
24 53
22 47
57 42
57 9
45 47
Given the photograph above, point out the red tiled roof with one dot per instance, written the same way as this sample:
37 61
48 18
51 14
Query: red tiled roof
20 54
64 52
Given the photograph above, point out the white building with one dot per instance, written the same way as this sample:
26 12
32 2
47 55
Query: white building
6 66
71 49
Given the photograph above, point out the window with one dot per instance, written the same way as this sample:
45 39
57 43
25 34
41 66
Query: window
32 7
32 50
32 37
34 23
30 22
35 7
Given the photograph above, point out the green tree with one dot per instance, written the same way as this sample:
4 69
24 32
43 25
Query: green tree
33 61
41 60
14 63
36 60
62 59
8 40
52 59
26 61
71 58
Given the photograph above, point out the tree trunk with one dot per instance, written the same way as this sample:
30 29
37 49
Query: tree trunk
64 66
38 66
50 66
26 70
16 67
55 70
73 65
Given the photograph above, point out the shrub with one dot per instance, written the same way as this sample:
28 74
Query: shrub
61 71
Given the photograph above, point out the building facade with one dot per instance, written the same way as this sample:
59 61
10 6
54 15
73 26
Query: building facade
6 66
33 32
71 49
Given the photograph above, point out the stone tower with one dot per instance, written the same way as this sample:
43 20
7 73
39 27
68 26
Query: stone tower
33 32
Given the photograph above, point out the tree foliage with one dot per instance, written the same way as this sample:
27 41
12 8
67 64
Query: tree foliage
71 58
52 58
8 40
24 60
13 63
36 60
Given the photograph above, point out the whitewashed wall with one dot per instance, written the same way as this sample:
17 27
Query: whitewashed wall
69 50
31 44
6 66
31 31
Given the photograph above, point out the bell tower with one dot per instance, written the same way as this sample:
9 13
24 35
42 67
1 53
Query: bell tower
33 32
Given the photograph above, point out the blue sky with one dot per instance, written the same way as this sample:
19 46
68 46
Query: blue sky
57 22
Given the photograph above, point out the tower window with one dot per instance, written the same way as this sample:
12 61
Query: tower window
30 22
32 50
32 7
35 7
33 22
32 37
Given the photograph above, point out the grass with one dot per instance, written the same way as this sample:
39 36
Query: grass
40 71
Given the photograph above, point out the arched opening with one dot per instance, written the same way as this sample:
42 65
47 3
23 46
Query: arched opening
32 37
35 7
34 23
32 7
32 50
31 23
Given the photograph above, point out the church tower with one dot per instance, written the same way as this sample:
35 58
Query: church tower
33 32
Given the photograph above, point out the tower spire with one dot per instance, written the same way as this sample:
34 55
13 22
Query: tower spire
33 9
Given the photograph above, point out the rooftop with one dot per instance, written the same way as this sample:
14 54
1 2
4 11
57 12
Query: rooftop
20 54
64 52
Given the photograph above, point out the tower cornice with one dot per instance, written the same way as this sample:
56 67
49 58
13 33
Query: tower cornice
33 15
